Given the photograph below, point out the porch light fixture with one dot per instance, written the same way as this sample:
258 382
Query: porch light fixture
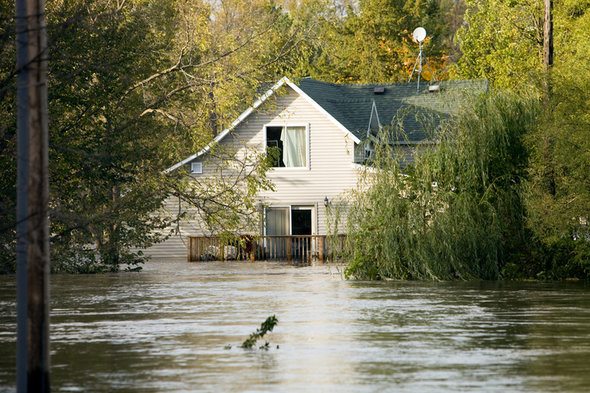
326 202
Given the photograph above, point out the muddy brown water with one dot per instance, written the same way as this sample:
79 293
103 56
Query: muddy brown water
165 329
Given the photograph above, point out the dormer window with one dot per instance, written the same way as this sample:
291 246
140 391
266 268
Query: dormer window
196 167
369 150
290 144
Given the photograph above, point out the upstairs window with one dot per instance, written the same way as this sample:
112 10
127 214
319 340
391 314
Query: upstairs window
289 144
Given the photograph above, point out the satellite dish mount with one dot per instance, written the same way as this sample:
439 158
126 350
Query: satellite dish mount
419 34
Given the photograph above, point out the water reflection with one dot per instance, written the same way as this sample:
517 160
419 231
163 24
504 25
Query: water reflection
165 330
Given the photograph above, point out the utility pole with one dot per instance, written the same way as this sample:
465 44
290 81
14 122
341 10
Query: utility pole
32 199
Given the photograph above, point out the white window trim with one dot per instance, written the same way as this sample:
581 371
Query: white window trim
311 208
197 167
307 144
266 208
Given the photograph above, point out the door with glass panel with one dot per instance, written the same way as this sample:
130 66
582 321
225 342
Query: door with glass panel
301 231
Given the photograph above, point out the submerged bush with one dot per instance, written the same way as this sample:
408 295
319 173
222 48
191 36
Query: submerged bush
457 211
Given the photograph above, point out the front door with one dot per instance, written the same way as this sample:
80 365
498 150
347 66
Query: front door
301 223
301 229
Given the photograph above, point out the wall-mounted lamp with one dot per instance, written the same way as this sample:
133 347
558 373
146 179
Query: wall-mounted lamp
326 202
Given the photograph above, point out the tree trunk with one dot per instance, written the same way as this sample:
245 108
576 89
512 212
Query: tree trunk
548 35
549 171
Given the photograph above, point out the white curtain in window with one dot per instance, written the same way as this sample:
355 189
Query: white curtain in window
294 146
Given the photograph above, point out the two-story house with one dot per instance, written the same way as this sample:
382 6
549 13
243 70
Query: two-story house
320 131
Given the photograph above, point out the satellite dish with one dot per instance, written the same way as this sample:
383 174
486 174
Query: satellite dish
419 34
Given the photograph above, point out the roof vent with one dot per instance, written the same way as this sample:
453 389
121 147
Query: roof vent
434 88
379 90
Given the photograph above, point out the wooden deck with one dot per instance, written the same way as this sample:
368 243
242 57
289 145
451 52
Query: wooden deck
304 249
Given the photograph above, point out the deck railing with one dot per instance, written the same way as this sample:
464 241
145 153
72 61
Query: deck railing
302 248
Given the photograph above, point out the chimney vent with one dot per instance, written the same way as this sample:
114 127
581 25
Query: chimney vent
379 90
434 88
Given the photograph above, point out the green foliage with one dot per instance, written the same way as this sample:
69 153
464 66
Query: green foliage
559 189
502 41
106 153
226 201
374 44
266 326
7 138
457 212
134 87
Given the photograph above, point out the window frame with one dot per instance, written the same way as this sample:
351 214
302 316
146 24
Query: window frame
194 165
307 144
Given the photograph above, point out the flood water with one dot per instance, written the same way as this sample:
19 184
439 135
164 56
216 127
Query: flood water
165 329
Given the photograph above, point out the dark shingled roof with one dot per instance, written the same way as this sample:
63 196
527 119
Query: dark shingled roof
351 104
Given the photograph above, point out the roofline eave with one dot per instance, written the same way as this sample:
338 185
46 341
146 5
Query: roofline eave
232 126
284 80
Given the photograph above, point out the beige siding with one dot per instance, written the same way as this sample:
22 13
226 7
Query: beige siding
330 173
175 245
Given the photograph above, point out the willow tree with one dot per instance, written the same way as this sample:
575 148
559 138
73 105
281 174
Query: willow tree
458 211
502 41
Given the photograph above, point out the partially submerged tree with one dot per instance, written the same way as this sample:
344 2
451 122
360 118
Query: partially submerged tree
134 87
7 137
559 199
226 200
503 41
456 212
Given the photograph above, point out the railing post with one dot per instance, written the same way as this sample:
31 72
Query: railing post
200 247
271 248
188 250
305 248
194 251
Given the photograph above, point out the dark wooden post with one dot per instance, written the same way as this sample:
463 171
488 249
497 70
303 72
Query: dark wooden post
32 199
189 250
288 240
253 250
321 240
